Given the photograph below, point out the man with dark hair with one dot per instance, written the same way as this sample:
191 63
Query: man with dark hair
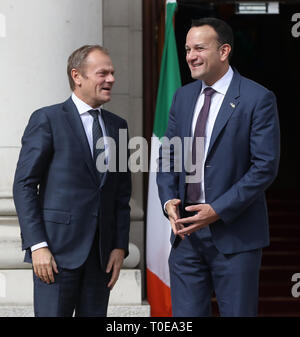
220 222
223 30
74 218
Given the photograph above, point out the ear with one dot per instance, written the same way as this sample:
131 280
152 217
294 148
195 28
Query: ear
77 78
225 50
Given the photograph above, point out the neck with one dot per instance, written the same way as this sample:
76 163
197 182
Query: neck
212 81
86 100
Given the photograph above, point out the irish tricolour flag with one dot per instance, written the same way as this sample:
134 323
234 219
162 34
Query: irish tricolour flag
158 227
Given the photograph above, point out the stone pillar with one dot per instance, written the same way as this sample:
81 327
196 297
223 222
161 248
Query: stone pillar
38 36
122 36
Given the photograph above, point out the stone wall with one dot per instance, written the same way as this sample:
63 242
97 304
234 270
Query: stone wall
122 36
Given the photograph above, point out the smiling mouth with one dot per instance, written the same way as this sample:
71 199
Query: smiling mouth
196 65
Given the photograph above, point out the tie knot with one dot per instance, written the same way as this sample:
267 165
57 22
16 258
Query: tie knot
208 91
94 113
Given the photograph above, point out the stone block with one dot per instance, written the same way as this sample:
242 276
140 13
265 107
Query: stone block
16 288
116 40
135 79
119 105
141 310
8 159
135 14
116 12
11 254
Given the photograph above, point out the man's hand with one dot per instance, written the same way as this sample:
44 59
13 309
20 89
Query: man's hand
205 215
115 263
43 264
173 213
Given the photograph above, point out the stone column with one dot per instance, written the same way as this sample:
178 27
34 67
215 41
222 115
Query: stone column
38 36
122 35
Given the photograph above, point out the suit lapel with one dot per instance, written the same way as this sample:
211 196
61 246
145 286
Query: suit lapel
109 127
230 102
110 132
74 120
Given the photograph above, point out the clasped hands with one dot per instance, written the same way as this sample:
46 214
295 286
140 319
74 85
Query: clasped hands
205 215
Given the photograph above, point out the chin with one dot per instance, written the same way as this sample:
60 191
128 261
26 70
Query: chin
196 76
104 99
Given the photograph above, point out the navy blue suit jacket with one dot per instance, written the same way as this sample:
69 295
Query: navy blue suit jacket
242 161
57 193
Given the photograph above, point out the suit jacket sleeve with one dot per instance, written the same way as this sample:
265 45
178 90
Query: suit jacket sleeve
167 179
34 158
264 161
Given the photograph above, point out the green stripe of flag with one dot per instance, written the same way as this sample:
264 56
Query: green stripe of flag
169 80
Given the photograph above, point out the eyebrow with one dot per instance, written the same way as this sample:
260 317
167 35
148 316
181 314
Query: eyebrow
196 45
105 70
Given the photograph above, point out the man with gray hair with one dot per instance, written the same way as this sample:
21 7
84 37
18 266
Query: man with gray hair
74 219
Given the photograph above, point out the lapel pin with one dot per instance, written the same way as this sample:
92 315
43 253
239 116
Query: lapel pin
232 105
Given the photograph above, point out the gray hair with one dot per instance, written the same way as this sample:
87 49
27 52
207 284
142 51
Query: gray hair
77 60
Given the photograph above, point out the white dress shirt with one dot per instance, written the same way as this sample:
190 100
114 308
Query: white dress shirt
87 121
221 87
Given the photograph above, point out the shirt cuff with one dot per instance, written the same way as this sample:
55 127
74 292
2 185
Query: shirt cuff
166 205
39 245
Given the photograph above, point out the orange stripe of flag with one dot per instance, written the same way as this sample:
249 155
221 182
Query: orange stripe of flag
159 296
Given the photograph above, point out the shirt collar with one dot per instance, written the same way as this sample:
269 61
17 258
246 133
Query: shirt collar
81 106
222 84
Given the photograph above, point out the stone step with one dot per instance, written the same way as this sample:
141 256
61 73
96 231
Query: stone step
278 258
270 306
284 244
142 310
282 217
279 305
285 230
16 288
133 310
278 274
271 289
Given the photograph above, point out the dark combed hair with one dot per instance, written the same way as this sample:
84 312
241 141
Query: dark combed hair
223 30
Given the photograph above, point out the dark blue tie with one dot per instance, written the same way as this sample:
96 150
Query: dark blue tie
193 189
97 134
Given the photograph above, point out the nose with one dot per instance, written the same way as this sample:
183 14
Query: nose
191 55
110 78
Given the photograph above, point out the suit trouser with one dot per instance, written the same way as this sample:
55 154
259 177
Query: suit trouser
83 289
197 269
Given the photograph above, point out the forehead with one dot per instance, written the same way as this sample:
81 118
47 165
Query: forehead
97 58
201 35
